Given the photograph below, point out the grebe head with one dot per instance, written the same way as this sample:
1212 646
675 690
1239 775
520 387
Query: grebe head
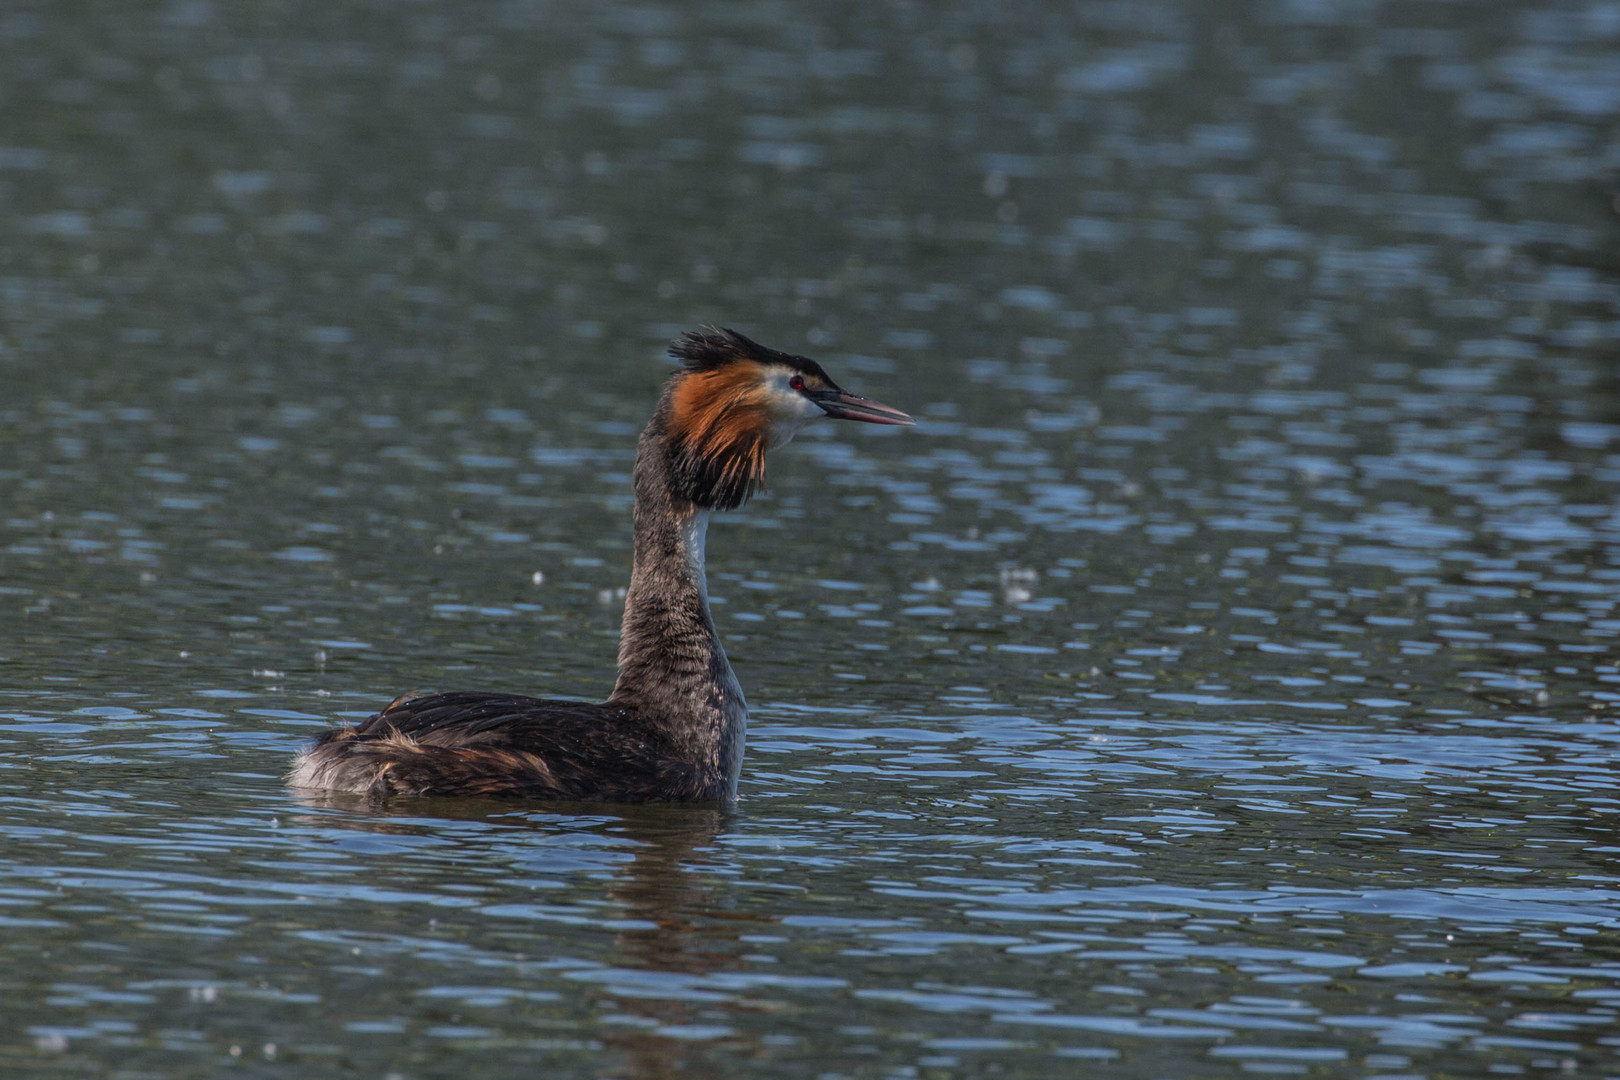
733 400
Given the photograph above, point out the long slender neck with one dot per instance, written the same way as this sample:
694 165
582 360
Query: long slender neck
673 671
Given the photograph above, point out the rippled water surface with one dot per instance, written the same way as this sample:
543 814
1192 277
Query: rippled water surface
1220 679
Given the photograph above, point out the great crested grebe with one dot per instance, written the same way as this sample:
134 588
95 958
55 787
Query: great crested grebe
673 728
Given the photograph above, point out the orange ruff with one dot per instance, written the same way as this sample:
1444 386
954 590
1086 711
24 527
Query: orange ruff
721 415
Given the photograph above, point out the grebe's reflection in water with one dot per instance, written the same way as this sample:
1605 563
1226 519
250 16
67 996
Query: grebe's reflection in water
596 924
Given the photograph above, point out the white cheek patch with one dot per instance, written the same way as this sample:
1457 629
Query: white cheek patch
789 409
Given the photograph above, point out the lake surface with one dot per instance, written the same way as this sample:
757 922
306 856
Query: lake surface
1221 678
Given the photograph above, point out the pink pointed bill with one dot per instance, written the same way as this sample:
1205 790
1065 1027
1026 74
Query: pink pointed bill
843 405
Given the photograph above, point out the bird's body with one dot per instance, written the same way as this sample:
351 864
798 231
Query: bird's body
674 727
508 746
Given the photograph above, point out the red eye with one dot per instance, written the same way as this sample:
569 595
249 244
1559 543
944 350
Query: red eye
796 383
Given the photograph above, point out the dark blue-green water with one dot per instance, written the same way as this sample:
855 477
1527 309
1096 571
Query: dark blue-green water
1221 679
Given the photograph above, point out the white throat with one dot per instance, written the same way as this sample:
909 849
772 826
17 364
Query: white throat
694 539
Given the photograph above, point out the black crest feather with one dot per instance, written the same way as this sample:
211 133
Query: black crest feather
715 347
